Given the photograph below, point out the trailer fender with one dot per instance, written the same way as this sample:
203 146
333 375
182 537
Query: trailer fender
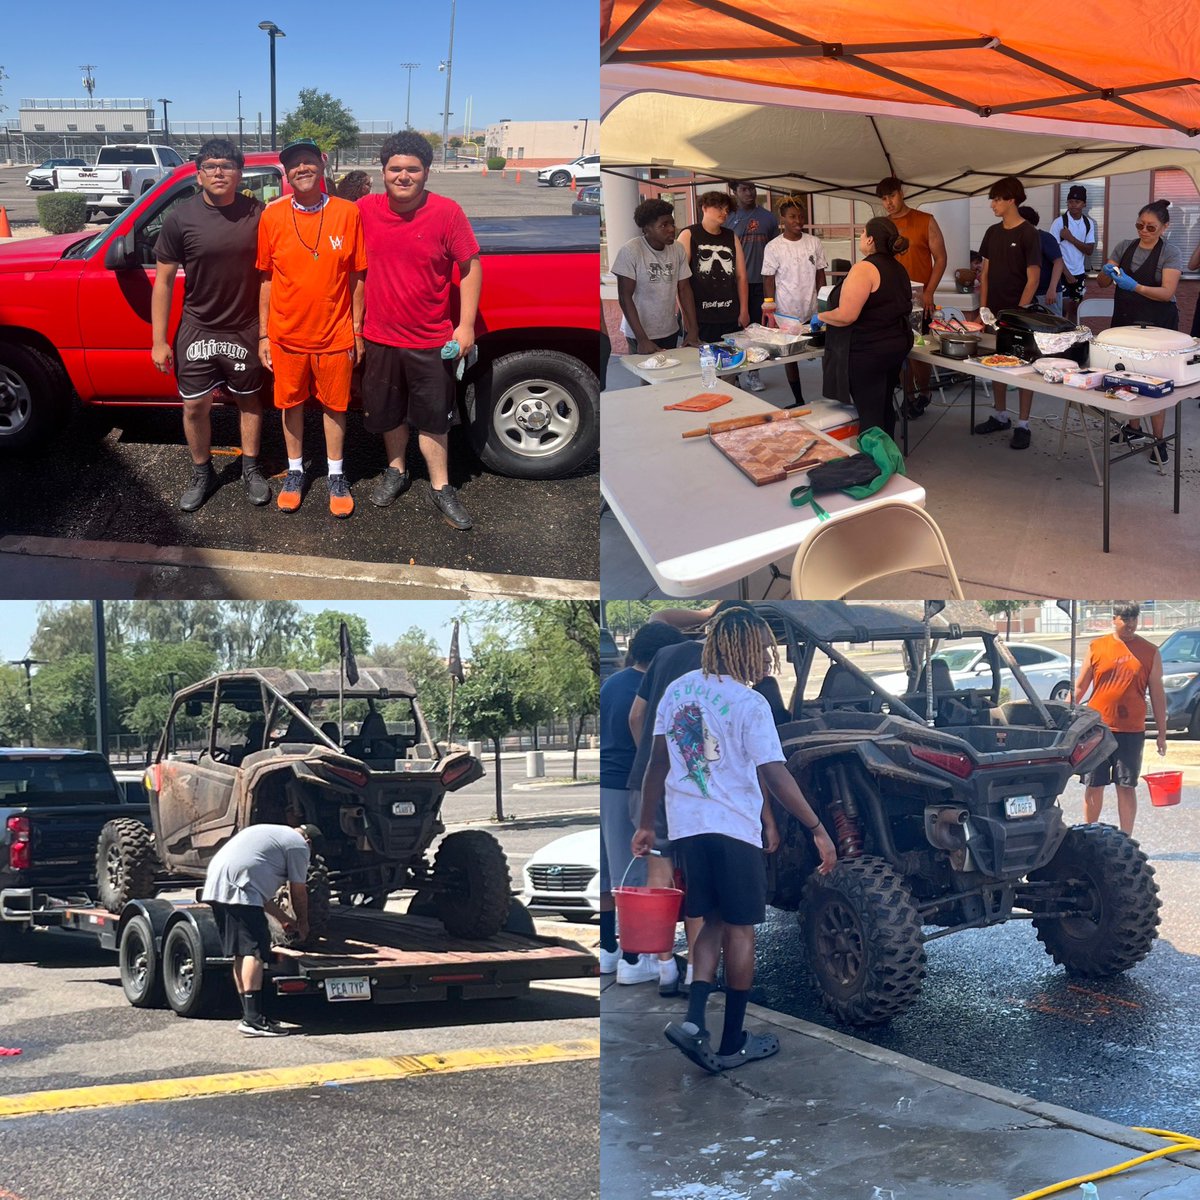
157 912
201 918
518 920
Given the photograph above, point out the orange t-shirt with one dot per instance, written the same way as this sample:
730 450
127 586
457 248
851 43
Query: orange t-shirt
1120 676
917 260
311 257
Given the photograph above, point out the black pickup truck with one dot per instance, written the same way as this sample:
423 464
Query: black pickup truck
53 805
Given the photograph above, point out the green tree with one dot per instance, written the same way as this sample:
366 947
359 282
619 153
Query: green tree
479 139
323 135
324 633
416 653
320 109
149 674
16 723
455 142
995 608
64 699
267 633
528 620
62 630
564 677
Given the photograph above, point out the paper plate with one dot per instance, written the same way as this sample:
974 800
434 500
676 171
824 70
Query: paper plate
658 362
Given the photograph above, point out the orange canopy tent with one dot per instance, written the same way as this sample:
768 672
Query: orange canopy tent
832 97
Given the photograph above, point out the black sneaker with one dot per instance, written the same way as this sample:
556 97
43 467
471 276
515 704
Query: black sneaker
447 503
992 425
393 483
204 480
1158 454
261 1028
1020 439
258 490
1130 435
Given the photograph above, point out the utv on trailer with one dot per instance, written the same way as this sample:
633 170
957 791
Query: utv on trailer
942 801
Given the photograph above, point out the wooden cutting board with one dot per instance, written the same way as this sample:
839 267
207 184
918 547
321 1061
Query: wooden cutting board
769 453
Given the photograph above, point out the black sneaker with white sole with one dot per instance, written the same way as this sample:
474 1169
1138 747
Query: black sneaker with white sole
261 1028
992 425
1130 435
1158 454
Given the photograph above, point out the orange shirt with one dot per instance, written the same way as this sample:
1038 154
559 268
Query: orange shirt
311 257
1120 676
917 260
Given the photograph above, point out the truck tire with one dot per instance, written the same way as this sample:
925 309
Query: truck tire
126 863
319 901
1118 903
863 936
534 414
187 978
473 888
35 396
141 979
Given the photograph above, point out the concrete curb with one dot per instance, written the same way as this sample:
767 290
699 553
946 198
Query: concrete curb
546 784
524 819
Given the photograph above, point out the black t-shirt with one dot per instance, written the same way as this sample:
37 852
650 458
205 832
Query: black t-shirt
217 249
714 274
1009 252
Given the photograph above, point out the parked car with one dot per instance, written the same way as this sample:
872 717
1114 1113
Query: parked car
1048 671
582 170
43 176
1181 681
122 173
587 201
563 877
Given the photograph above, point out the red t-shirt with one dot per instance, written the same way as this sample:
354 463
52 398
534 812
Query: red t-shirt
412 256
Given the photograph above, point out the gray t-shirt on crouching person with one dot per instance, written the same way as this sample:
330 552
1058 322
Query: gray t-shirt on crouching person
253 865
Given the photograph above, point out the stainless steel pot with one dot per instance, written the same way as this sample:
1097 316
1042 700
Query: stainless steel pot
959 345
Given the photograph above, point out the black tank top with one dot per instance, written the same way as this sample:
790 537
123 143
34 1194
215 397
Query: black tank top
884 317
714 274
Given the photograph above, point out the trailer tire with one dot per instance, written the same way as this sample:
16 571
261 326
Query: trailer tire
35 396
137 954
319 901
186 975
473 887
126 863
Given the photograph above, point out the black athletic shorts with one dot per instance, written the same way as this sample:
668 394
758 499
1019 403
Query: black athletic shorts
1122 766
204 360
714 331
401 386
724 877
244 930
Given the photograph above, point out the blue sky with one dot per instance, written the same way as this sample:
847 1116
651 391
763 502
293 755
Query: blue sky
522 60
386 619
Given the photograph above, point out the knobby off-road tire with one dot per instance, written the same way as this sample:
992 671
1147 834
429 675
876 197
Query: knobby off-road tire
126 863
1119 899
319 901
863 937
473 887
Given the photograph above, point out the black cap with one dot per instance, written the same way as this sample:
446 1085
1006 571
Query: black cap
292 149
1077 192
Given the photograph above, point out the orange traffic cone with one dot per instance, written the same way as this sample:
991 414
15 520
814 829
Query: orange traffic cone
484 169
5 228
572 183
518 177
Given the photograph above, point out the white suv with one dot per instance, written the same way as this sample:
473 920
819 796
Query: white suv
582 170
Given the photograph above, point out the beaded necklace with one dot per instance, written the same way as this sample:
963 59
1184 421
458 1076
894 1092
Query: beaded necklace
314 250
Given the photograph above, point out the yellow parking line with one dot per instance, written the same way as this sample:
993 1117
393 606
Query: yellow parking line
363 1070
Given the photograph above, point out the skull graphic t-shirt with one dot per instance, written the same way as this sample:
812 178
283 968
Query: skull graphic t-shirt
714 277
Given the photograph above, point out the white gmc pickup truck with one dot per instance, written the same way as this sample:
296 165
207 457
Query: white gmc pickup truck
120 176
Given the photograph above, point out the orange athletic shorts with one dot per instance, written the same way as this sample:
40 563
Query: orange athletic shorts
299 374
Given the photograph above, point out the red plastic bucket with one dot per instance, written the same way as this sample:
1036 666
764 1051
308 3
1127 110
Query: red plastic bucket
1166 788
647 918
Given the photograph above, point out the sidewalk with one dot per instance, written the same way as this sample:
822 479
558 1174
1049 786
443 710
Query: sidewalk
833 1118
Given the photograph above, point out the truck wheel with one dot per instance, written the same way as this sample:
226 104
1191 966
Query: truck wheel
126 863
863 936
1111 884
319 901
473 888
186 975
534 414
35 396
138 958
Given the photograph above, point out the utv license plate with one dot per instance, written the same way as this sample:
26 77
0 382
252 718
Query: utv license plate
1020 806
404 808
354 987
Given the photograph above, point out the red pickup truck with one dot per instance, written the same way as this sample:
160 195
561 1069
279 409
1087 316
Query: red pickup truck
75 328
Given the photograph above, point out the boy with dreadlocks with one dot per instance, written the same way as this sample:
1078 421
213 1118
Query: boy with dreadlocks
715 747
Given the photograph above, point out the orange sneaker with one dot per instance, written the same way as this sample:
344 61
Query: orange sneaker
341 503
292 492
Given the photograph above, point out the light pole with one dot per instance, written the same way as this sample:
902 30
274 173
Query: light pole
166 127
583 144
241 134
28 663
409 67
446 107
272 31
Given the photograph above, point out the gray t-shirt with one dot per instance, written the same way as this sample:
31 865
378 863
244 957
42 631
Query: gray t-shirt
254 864
1171 258
656 275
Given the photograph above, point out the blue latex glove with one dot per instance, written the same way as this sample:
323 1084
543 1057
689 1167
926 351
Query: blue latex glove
1110 269
1126 282
815 323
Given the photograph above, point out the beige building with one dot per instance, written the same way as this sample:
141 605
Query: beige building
543 143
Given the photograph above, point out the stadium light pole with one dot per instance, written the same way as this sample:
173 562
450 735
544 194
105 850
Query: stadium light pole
446 67
166 125
272 31
409 67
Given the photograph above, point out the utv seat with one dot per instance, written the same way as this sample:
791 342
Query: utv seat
840 689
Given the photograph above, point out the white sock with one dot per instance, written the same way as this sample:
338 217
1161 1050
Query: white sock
1002 415
687 979
667 971
1022 424
295 464
335 466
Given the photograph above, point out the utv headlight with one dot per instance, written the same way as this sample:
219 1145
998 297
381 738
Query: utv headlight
1173 683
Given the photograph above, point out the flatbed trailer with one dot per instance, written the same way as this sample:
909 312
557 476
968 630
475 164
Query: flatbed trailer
169 952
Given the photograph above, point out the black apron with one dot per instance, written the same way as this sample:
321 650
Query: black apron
1131 309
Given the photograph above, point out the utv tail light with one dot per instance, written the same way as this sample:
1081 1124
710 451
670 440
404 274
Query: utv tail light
451 775
350 774
1086 746
956 764
20 851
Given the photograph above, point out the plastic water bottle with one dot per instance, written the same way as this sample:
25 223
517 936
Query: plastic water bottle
917 319
708 366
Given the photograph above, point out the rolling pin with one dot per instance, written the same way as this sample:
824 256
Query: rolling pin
746 422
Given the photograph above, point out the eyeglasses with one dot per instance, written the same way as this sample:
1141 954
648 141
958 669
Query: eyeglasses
214 168
1144 227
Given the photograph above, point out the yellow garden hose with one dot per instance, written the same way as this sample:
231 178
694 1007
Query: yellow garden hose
1182 1142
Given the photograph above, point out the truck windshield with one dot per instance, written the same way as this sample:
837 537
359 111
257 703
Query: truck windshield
56 781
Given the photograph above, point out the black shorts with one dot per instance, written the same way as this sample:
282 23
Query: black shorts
244 930
724 877
1122 766
414 387
714 331
205 360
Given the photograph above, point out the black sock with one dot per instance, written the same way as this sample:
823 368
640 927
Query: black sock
797 390
249 462
608 930
735 1017
631 958
697 1002
252 1006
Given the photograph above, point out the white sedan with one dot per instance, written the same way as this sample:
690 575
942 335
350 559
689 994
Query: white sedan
564 877
1048 671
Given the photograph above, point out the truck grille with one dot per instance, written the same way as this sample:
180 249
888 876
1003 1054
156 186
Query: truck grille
554 878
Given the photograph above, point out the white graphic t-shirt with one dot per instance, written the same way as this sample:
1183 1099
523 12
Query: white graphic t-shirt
795 266
718 733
